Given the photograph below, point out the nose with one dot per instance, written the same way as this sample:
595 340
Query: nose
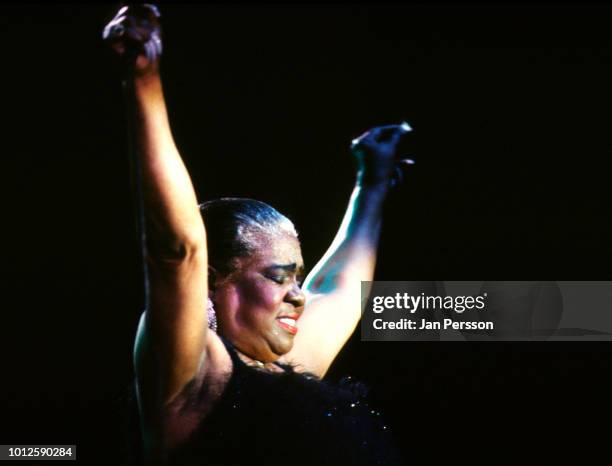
296 296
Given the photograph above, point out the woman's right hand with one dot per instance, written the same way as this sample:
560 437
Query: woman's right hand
135 36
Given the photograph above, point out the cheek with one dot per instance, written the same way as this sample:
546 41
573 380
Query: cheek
263 298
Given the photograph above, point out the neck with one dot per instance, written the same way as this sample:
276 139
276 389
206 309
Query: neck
249 361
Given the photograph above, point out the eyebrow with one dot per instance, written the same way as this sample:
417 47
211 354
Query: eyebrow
288 267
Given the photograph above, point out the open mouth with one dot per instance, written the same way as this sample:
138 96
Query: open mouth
288 323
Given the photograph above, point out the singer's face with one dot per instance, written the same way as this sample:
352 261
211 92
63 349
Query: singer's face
259 304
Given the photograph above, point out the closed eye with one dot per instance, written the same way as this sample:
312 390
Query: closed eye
281 274
280 280
283 279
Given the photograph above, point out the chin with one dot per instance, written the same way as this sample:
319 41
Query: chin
278 349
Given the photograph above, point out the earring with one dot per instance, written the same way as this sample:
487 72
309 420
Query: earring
212 315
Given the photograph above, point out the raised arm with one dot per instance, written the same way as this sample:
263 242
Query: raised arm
333 287
172 331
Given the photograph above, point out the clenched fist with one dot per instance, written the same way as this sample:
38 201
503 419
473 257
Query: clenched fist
135 36
375 151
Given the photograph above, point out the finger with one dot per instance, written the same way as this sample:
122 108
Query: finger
381 131
397 177
402 165
122 10
389 133
401 129
145 12
115 29
153 9
398 172
134 35
149 50
359 139
156 40
119 13
405 162
125 26
144 8
405 126
374 135
153 48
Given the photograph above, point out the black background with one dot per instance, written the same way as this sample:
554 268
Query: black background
510 106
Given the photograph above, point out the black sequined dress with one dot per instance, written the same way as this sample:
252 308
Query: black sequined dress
291 419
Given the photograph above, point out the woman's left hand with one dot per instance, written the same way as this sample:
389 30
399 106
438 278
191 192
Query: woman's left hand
375 151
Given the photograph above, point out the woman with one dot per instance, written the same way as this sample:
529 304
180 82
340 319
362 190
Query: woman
251 390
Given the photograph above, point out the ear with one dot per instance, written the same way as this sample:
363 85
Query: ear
215 280
213 277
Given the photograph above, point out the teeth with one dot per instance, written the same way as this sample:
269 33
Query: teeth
288 321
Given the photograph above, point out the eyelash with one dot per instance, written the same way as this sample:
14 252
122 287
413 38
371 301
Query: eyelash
281 280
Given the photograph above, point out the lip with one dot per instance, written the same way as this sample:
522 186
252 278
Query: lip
293 315
289 328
